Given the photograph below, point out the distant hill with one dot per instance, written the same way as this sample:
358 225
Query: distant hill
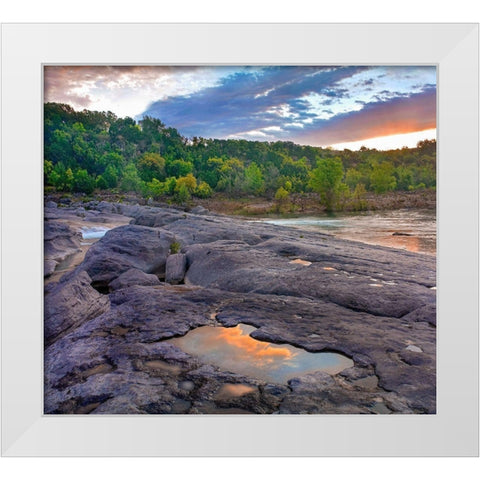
88 150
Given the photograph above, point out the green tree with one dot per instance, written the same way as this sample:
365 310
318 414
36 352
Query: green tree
353 177
178 168
325 179
83 182
110 176
101 183
254 182
59 149
382 179
281 199
61 178
47 170
170 185
359 201
151 165
231 176
110 159
155 189
131 181
182 194
211 172
296 172
343 195
404 177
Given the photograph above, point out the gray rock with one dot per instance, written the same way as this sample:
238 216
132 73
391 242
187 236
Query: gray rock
199 210
126 247
175 268
111 353
425 313
49 267
106 207
133 277
71 303
60 241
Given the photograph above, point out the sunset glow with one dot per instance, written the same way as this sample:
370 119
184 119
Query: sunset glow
389 142
383 107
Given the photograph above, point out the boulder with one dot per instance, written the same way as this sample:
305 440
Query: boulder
126 247
175 268
133 277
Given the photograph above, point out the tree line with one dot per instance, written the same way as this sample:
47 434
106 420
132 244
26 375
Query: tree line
88 150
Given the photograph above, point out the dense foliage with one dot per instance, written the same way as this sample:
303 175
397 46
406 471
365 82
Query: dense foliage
89 150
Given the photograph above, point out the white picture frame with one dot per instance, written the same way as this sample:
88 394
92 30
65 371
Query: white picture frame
452 431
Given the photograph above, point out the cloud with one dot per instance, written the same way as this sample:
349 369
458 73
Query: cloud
124 90
328 104
319 105
399 115
250 100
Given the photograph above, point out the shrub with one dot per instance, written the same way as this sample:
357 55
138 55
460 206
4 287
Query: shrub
203 190
175 247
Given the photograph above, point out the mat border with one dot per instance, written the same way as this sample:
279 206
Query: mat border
453 431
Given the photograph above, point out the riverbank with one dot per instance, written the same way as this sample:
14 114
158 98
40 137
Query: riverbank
109 321
258 206
309 204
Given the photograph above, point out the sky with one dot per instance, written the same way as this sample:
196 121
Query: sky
383 107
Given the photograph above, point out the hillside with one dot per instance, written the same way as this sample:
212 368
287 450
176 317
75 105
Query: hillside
91 151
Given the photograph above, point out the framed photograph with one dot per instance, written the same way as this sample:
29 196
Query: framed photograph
238 236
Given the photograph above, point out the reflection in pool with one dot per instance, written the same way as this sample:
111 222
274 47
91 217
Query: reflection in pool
233 349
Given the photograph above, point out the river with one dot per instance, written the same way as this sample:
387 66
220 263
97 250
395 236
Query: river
408 229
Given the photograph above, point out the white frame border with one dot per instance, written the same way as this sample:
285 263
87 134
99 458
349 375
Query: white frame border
453 431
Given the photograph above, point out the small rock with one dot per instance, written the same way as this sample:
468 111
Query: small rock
299 261
413 348
199 210
186 385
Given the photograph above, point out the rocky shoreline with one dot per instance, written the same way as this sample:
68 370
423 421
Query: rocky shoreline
161 272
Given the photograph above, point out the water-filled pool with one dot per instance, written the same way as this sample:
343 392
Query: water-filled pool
233 349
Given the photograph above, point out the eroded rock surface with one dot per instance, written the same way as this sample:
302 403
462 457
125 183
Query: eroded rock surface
60 242
108 322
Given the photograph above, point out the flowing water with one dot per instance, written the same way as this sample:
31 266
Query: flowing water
408 229
234 350
89 233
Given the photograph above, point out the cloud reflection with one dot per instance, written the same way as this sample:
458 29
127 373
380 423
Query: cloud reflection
232 349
